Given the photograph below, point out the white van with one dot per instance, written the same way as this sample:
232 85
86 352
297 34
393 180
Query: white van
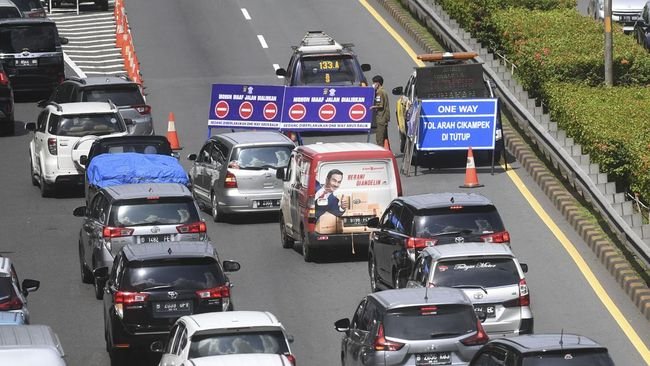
30 345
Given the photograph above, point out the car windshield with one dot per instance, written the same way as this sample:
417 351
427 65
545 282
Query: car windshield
328 70
569 358
185 274
85 124
33 38
27 5
6 289
128 95
486 272
141 147
261 157
9 12
460 221
241 342
154 211
430 322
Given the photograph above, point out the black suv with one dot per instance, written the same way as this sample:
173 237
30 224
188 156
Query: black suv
411 223
320 60
542 349
6 104
123 92
31 53
151 285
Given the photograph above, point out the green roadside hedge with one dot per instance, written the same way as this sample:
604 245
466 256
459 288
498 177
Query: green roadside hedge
611 124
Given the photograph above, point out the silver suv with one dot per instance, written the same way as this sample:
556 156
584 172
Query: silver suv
417 326
235 172
13 294
490 276
134 214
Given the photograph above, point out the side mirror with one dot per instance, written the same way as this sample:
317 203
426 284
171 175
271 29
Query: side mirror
373 222
41 103
281 72
63 40
231 266
128 122
157 347
342 325
290 338
30 286
101 273
481 315
31 126
524 267
191 157
79 211
83 160
365 67
398 90
279 173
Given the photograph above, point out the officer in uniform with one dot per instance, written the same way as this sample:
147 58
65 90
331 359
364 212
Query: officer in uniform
381 115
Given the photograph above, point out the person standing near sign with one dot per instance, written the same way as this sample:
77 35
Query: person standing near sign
381 109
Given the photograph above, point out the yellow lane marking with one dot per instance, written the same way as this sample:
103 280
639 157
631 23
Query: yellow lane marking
532 201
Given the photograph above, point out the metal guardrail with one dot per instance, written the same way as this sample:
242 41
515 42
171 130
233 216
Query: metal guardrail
574 173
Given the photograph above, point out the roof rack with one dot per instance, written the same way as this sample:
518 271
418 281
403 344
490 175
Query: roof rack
445 56
318 41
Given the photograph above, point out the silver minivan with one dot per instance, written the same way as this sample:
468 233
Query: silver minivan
235 172
489 274
30 345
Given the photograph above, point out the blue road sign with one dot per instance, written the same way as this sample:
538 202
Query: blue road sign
457 124
246 106
309 108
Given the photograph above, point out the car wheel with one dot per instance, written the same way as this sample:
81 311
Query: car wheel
216 215
8 128
99 288
372 271
46 189
118 357
287 241
307 251
86 275
33 173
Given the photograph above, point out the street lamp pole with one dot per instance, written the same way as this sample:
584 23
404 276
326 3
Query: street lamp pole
609 48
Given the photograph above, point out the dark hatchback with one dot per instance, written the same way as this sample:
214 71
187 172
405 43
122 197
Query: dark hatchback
6 104
31 54
151 285
411 223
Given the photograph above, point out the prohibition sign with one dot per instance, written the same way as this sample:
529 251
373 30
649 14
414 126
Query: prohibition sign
357 112
297 112
245 110
221 109
270 111
327 112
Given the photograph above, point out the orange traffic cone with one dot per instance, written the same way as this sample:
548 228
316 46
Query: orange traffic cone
471 179
172 137
386 144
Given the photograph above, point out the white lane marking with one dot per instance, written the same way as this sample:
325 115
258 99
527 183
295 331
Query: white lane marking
246 15
275 67
81 57
98 33
67 28
80 52
73 66
113 61
105 45
114 66
262 41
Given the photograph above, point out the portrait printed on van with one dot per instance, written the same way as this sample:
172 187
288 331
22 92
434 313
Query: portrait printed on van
325 198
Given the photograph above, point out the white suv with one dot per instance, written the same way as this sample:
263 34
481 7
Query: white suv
222 334
64 132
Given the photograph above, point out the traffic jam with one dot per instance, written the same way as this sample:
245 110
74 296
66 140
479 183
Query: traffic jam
444 284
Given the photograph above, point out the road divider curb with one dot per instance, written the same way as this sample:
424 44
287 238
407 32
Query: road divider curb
610 256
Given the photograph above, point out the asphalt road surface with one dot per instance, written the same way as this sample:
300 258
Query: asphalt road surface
184 47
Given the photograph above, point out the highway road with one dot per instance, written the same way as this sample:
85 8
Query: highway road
184 47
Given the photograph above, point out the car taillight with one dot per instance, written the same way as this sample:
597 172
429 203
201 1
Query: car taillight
4 80
142 109
291 358
477 339
500 237
524 296
311 211
116 232
230 181
221 292
122 298
382 344
195 227
51 145
13 303
413 244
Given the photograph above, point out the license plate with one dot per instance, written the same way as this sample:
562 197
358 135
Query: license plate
266 203
488 309
628 18
172 308
436 358
26 62
155 238
350 221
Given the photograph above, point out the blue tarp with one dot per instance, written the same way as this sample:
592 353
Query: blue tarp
107 170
